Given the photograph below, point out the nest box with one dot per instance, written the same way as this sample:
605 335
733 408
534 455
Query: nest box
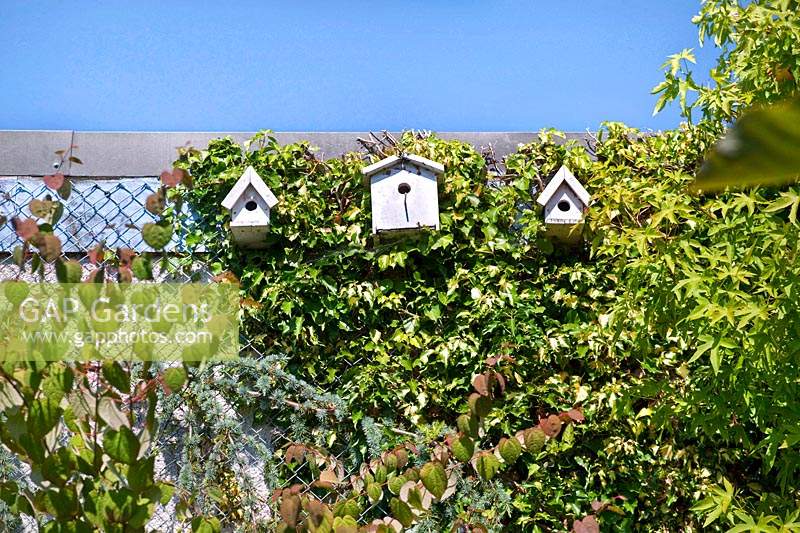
565 202
404 193
250 202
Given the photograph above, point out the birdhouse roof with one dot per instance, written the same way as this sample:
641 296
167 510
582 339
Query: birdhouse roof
250 177
564 175
393 160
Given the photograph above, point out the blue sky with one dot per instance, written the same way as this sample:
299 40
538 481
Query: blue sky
337 66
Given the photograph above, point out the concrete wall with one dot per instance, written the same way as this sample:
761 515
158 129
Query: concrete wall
121 154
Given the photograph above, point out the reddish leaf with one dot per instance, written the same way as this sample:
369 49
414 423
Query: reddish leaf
49 246
155 203
327 479
295 452
481 384
501 381
249 302
225 277
96 254
576 415
290 510
124 275
172 179
550 425
25 228
125 256
54 181
186 179
96 275
587 525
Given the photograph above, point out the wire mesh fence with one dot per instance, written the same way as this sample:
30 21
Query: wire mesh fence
222 442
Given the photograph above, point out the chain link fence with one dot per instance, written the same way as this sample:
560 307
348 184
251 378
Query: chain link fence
222 441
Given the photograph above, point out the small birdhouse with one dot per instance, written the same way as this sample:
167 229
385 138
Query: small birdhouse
404 193
250 202
565 201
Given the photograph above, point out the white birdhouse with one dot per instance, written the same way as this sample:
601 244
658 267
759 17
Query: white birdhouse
404 193
250 202
565 201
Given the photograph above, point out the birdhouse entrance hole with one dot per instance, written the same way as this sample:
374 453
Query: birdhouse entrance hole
404 189
251 205
564 205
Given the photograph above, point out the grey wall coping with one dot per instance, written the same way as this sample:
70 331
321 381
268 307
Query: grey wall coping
121 154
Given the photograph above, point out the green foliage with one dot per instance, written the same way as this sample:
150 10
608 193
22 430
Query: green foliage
402 496
94 478
83 429
672 330
417 315
669 313
758 61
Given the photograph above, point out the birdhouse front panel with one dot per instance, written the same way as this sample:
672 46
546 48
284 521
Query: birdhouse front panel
250 202
563 207
404 198
250 209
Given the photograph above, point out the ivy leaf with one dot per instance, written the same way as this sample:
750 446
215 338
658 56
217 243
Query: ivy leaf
762 148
